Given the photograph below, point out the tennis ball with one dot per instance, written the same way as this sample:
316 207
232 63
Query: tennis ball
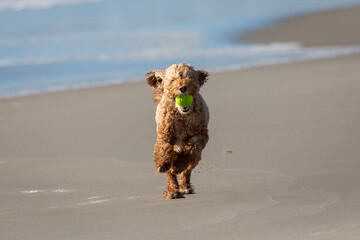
184 101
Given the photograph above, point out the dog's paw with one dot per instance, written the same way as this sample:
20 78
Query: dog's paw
172 195
192 141
189 190
163 167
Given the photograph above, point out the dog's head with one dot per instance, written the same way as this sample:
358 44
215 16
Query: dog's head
176 80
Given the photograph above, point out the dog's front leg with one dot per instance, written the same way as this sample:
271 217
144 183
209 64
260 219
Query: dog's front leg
198 142
192 153
164 155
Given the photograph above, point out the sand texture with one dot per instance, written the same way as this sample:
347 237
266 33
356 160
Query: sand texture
317 29
283 160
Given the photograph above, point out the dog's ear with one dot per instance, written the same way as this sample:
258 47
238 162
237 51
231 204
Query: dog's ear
154 78
202 77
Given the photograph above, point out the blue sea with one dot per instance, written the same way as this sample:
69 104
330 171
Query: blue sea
65 44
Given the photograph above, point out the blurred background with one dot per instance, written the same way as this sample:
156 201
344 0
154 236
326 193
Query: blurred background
65 44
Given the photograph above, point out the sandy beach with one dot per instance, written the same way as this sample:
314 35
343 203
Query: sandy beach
336 27
283 160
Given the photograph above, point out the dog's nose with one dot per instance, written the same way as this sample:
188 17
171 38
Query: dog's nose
183 89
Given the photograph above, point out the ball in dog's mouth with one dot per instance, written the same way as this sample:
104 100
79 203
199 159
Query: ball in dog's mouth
184 102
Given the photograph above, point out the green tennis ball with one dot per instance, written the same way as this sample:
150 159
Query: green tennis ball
184 101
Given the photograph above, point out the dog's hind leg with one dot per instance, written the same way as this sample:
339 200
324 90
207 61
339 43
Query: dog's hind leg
172 186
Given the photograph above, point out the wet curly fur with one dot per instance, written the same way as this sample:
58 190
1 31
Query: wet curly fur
181 133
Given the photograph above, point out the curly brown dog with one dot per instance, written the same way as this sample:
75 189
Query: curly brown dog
182 132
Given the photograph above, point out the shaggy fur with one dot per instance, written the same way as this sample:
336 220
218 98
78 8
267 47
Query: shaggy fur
181 133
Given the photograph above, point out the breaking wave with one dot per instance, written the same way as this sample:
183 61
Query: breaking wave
19 5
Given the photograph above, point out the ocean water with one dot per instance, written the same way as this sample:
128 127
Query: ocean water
64 44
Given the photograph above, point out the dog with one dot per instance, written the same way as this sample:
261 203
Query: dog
182 132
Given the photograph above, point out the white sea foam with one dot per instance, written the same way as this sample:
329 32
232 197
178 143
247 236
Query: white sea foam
171 38
32 191
18 5
302 54
95 201
98 201
289 51
93 197
58 88
60 190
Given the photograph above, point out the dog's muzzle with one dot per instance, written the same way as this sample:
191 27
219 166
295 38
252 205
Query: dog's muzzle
185 110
